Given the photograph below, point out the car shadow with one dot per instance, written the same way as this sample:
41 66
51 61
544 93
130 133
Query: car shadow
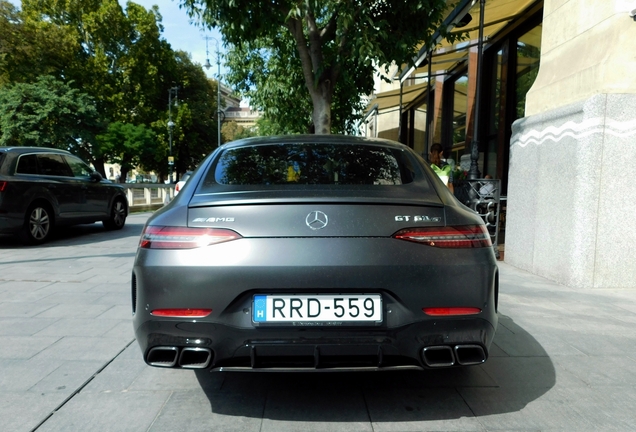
507 382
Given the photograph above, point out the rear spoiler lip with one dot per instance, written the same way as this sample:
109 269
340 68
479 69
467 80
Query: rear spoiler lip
314 200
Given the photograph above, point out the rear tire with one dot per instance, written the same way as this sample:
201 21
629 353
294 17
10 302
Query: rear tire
38 224
117 218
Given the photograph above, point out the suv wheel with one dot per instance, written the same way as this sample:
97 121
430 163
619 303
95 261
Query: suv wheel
38 224
117 217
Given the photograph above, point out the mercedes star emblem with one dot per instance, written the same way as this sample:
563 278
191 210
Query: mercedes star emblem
316 220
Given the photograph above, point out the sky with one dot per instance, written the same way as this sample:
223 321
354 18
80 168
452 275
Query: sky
184 36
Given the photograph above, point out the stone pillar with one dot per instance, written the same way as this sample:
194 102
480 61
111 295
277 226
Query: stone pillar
572 187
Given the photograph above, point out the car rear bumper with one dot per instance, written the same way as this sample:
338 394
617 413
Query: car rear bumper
421 345
225 278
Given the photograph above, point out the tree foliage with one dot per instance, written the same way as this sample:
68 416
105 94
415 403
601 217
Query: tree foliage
116 57
29 49
195 131
337 43
47 113
128 145
269 74
232 131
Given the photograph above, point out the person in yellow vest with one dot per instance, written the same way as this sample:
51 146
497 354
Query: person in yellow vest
443 170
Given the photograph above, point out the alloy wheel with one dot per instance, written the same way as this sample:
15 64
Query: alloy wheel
39 223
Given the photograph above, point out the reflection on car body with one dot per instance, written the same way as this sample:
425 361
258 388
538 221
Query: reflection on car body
179 185
314 253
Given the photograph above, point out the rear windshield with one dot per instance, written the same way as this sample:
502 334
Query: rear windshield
311 164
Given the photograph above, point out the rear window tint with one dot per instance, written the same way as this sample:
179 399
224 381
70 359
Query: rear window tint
311 164
27 164
53 165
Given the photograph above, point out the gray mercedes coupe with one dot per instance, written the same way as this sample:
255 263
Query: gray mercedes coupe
317 253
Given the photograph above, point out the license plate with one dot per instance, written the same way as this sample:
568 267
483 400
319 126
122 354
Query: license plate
337 309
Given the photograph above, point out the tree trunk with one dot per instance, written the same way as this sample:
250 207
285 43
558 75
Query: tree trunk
98 164
311 58
322 111
123 174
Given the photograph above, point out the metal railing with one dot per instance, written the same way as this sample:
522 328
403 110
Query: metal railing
484 197
148 196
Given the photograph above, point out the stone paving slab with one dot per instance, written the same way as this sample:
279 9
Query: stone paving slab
562 360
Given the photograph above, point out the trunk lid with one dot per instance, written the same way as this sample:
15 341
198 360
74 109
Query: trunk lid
327 214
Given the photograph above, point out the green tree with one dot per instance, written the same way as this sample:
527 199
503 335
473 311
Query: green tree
127 145
194 135
232 131
337 42
122 61
29 49
47 113
119 57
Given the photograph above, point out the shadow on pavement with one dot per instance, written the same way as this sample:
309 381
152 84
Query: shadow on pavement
503 384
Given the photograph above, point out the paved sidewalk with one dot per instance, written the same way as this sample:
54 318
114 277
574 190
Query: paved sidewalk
563 359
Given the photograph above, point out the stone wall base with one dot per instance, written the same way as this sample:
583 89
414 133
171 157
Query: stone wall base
572 193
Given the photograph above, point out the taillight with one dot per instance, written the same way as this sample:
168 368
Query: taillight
450 311
182 313
468 236
177 188
165 237
3 185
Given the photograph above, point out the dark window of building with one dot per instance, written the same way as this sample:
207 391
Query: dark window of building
528 56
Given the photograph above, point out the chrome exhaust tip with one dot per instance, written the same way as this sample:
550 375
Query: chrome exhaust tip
438 356
195 358
162 356
468 355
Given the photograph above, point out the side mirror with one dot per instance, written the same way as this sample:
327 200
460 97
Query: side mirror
96 177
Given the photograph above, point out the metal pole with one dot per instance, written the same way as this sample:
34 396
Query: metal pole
429 107
207 65
473 173
400 112
218 93
170 127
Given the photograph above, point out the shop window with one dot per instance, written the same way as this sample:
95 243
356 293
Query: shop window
460 107
528 56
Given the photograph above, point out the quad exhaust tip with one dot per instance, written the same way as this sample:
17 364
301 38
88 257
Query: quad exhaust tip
162 356
468 355
187 358
438 356
195 358
446 356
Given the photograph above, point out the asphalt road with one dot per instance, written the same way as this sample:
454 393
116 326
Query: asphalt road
563 359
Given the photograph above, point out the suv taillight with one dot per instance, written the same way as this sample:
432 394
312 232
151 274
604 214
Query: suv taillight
166 237
3 185
468 236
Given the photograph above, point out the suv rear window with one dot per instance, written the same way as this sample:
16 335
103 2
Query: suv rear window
311 164
27 164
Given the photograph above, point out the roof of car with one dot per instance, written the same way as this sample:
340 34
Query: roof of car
18 149
314 139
